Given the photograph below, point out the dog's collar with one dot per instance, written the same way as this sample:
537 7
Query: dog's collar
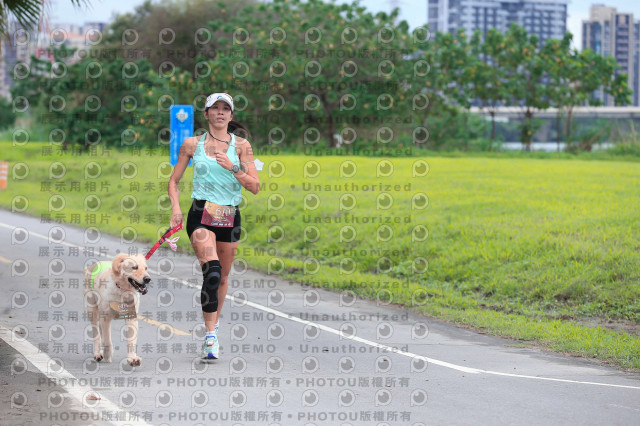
118 285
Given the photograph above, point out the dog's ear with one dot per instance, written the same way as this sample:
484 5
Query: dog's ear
140 260
117 262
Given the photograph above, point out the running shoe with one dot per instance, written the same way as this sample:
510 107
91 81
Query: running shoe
210 347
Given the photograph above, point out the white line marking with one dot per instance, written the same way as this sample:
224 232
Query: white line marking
444 364
550 379
356 338
408 354
623 406
35 234
64 379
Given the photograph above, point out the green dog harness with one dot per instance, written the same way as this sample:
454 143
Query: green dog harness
100 267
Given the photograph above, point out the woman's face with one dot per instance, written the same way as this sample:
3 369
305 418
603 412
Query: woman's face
219 114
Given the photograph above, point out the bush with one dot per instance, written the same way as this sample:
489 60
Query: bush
8 116
631 149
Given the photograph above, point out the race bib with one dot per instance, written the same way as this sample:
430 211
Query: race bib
217 215
124 310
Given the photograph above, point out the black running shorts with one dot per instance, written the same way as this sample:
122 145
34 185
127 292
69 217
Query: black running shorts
224 234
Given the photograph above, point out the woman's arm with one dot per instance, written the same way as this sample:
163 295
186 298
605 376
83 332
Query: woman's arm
248 175
184 156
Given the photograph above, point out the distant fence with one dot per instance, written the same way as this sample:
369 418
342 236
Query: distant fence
604 125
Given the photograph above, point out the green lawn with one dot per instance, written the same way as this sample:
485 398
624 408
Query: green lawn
526 248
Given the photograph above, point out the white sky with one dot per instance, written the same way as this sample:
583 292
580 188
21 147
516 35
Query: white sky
413 11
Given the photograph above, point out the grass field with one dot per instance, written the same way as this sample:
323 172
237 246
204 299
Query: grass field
532 249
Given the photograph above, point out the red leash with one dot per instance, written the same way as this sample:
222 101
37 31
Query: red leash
165 237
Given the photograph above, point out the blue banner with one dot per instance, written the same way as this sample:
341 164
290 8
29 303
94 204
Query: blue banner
181 128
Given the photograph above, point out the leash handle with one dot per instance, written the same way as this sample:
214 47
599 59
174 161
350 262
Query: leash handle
165 237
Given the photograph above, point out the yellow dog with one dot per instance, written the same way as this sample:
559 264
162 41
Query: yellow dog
112 290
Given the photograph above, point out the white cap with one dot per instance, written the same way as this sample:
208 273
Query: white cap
211 99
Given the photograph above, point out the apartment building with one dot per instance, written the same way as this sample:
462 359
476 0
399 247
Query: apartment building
612 33
23 44
545 18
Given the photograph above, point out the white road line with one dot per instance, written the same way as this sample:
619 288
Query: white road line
356 338
66 380
444 364
550 379
35 234
408 354
405 353
623 406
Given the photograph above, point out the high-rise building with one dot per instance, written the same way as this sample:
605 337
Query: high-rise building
610 33
635 85
545 18
17 50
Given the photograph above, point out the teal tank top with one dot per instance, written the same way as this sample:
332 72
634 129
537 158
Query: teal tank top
212 182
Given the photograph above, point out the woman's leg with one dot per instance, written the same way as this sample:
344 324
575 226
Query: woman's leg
204 246
226 253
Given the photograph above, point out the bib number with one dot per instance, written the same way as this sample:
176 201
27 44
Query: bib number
217 215
124 310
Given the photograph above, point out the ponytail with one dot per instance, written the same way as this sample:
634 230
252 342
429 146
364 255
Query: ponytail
239 129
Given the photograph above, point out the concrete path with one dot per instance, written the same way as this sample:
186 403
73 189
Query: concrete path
289 354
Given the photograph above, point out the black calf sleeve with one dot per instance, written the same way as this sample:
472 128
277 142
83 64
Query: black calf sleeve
211 274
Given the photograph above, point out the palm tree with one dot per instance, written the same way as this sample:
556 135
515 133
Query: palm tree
26 13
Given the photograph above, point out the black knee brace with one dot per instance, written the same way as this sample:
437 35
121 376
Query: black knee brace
211 274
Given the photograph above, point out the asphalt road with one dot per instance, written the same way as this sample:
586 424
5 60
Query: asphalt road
289 354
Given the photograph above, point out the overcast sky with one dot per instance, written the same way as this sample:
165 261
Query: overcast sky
413 11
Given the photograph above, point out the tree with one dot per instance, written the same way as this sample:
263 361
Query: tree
486 78
87 102
300 72
172 32
456 63
308 71
343 65
617 86
8 115
524 69
102 106
449 58
576 76
560 67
